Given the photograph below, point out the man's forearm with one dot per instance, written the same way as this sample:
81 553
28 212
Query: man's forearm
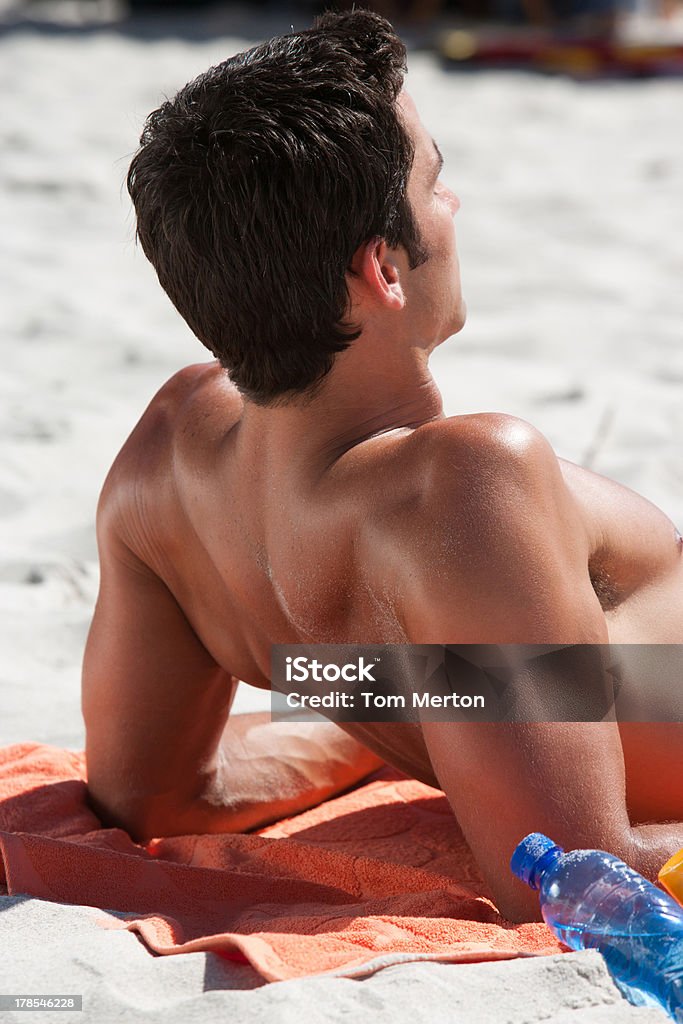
264 771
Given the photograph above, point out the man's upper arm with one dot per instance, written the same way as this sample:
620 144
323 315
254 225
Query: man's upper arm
512 569
150 693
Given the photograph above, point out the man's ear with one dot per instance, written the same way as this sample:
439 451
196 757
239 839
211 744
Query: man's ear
376 270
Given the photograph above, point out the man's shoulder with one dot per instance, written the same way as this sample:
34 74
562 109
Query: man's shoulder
481 456
492 524
143 466
163 416
455 479
492 435
188 390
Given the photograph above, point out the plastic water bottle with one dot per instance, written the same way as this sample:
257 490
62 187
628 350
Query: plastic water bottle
592 900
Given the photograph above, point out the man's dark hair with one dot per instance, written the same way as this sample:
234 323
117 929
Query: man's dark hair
255 185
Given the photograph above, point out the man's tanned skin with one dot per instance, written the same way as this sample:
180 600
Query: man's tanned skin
363 514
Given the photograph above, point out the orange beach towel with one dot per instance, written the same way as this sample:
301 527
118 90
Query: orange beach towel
379 875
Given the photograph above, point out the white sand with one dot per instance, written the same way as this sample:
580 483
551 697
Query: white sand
68 952
571 239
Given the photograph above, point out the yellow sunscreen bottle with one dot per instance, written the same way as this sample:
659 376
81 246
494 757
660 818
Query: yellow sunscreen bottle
671 876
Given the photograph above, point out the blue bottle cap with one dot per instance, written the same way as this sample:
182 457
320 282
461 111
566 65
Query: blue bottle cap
526 859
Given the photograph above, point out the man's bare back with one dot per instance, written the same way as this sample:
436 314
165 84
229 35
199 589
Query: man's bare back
337 503
253 545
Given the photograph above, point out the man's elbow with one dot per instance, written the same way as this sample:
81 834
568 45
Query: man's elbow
147 818
515 901
142 818
518 903
114 812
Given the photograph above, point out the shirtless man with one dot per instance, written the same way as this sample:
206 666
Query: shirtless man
292 205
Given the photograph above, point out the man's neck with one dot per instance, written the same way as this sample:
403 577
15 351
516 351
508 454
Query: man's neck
361 397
